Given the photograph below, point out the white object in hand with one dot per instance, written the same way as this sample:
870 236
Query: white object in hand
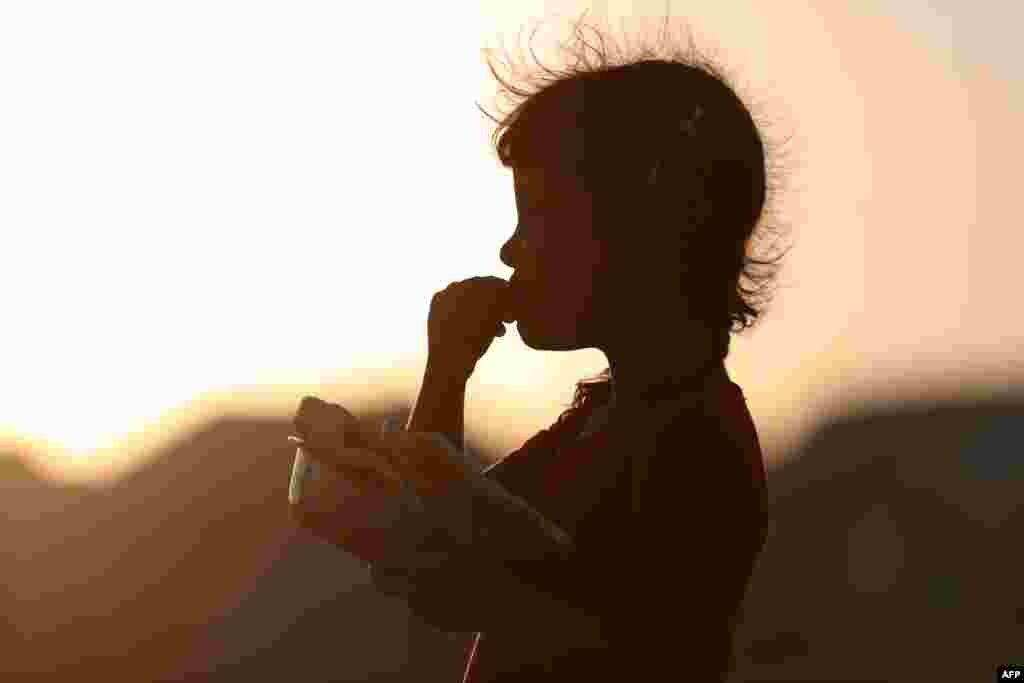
306 468
303 467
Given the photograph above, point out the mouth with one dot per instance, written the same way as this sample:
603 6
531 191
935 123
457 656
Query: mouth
515 300
512 307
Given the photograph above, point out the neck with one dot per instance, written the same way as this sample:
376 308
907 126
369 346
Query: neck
650 374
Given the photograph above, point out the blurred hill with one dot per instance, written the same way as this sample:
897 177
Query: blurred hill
895 549
192 563
896 541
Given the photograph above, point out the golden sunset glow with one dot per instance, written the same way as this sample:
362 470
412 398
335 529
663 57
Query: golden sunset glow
220 207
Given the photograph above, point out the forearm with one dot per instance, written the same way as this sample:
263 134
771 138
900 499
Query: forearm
498 564
440 404
506 562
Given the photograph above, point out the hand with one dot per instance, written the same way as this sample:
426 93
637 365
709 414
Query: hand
427 460
464 319
334 437
356 495
352 501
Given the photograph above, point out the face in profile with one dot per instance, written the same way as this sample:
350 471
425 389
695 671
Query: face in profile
555 258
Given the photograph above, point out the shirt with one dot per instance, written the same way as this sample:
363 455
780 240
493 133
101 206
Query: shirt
665 512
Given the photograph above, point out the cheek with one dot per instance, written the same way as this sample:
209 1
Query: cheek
566 291
580 291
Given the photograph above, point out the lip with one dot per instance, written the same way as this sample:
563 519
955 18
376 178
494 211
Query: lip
517 285
512 305
516 299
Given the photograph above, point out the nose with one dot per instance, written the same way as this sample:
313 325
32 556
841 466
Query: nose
507 256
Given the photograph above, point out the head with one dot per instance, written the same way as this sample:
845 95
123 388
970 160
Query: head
638 184
557 260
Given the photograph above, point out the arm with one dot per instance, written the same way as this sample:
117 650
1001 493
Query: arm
484 507
441 403
447 592
458 560
466 595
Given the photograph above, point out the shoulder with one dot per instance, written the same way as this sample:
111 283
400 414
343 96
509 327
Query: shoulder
518 467
568 424
680 423
692 439
695 469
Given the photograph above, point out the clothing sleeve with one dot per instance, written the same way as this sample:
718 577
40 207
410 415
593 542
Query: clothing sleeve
459 563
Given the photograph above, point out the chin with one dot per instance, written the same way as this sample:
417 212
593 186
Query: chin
541 342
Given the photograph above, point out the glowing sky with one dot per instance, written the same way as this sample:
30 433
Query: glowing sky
201 198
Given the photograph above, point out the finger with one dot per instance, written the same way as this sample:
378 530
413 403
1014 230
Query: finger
315 414
327 422
310 407
320 519
427 460
354 461
363 471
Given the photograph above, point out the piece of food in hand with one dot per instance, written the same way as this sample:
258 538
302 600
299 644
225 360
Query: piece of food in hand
304 468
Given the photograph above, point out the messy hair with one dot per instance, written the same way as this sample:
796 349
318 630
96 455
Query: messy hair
694 152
